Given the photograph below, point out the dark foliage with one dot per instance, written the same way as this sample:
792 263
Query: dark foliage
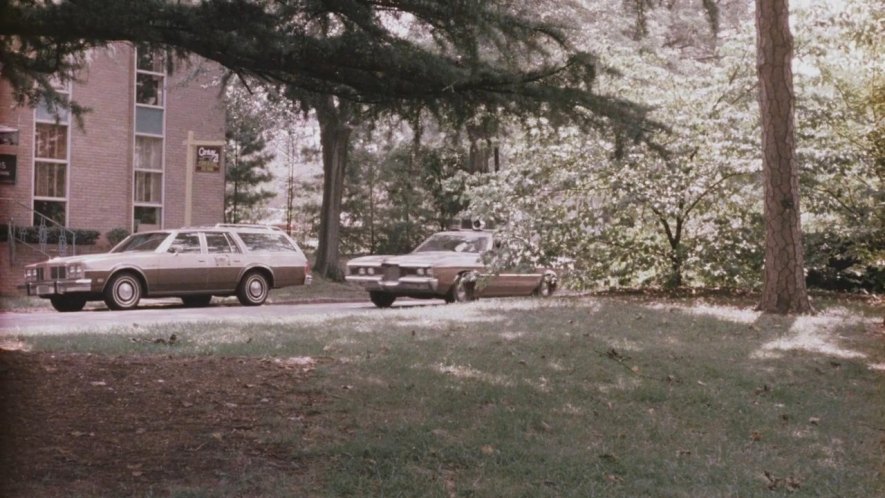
31 235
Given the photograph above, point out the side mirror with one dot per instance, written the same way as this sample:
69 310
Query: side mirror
176 248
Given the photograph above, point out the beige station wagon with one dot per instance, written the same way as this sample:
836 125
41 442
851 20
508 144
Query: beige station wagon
448 265
193 264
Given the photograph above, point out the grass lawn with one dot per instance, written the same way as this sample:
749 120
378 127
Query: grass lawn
563 397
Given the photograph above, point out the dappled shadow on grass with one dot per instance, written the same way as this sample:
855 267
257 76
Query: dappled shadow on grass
77 425
612 399
569 396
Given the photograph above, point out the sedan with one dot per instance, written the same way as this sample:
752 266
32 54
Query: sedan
448 265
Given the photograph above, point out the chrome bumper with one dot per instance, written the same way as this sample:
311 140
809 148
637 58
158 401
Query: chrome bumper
401 285
53 287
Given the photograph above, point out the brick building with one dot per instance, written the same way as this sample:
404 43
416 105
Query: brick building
148 154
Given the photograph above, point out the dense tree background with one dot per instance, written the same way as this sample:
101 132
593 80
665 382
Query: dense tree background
247 156
543 117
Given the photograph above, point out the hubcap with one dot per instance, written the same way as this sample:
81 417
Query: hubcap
125 290
256 288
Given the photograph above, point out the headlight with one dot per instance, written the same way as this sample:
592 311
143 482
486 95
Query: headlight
420 271
362 271
75 271
371 271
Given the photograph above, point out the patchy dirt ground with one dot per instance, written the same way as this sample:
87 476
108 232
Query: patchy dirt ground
103 426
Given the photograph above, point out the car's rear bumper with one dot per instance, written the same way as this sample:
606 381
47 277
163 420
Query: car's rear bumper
57 287
403 285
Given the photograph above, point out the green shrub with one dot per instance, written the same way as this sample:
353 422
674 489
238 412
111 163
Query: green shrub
31 235
116 235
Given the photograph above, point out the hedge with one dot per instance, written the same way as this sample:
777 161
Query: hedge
53 234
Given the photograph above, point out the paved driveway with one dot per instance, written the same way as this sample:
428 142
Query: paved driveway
169 313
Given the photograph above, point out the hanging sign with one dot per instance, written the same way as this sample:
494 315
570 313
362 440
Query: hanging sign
208 158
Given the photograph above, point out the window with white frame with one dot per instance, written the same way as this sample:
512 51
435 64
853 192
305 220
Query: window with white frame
150 107
51 159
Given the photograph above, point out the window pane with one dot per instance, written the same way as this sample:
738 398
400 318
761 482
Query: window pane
49 180
147 215
266 242
44 114
52 141
142 243
189 242
148 187
53 210
148 120
217 243
149 89
149 60
148 153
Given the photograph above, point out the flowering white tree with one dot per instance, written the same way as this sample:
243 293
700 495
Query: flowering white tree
687 204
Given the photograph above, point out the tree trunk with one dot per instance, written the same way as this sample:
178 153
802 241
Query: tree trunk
783 280
334 139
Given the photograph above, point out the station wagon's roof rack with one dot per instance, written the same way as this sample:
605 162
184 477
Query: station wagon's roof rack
248 225
253 226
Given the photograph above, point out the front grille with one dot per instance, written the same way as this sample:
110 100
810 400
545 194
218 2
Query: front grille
39 274
391 273
57 272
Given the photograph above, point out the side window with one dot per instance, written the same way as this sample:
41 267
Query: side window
267 242
220 243
188 242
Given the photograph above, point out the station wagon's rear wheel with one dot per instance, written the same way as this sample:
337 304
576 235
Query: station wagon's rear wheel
253 289
123 291
382 299
69 303
196 301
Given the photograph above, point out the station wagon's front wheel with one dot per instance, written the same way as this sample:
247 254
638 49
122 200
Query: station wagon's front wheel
68 303
382 299
253 289
123 292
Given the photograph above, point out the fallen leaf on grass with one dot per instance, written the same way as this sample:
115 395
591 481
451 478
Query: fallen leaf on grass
487 450
682 453
790 483
98 383
614 478
756 436
608 457
814 420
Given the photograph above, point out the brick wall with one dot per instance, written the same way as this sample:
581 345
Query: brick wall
23 119
101 153
193 104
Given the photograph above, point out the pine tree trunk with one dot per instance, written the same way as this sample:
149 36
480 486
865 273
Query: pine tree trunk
334 139
783 280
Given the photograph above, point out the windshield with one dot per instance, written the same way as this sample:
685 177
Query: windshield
142 242
456 242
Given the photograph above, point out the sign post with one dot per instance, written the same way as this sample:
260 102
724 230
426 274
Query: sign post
203 157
